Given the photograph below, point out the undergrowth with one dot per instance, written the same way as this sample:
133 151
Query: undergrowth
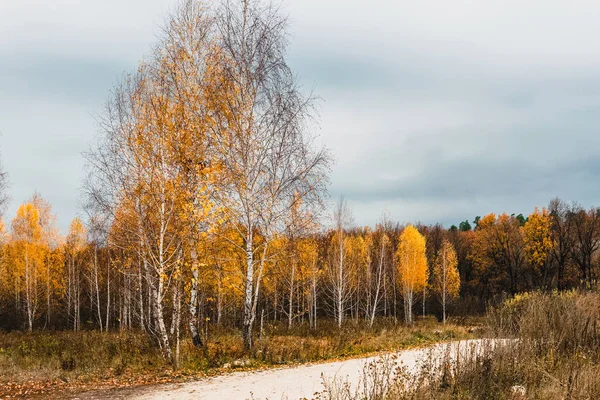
67 357
547 346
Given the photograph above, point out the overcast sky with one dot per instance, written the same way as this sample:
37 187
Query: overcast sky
436 111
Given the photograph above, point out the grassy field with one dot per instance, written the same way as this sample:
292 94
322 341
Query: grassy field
39 363
556 355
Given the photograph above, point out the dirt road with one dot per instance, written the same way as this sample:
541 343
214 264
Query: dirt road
286 383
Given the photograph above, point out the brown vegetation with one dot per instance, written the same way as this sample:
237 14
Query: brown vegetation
47 362
554 354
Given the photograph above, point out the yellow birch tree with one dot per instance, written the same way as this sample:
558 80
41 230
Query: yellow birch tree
26 237
446 281
412 267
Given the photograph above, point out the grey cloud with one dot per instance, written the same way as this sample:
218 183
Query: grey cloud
63 78
460 180
437 115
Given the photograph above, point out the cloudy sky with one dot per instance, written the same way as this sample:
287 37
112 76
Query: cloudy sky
436 113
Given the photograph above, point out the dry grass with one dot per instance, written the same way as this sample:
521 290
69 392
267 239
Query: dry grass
67 359
556 356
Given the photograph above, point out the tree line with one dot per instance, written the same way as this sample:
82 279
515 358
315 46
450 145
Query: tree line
88 280
204 205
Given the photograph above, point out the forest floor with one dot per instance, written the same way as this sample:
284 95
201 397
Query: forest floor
301 382
66 364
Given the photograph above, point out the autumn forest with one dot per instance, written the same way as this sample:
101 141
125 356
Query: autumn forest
206 207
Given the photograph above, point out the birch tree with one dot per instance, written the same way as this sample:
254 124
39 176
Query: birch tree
446 279
412 267
382 253
27 236
272 161
338 271
152 163
74 247
97 238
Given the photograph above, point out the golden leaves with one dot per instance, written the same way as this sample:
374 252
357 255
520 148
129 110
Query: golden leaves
411 260
538 238
446 279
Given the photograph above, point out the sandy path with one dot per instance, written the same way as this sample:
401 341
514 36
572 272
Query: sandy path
286 383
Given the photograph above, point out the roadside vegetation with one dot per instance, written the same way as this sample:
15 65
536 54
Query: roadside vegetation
552 351
48 362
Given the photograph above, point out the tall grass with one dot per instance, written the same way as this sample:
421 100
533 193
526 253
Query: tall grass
554 354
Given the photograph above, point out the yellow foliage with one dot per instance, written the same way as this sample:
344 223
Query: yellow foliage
538 238
412 261
446 277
